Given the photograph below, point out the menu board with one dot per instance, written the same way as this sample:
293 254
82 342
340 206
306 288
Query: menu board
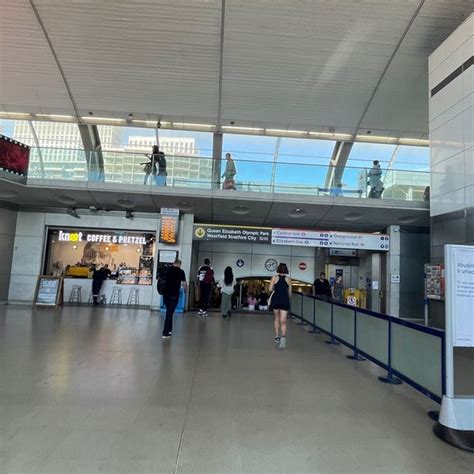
169 225
434 281
48 291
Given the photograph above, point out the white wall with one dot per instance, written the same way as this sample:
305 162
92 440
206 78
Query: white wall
254 256
7 238
30 238
452 124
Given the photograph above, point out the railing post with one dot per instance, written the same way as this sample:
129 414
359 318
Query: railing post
390 378
355 355
332 341
301 323
314 330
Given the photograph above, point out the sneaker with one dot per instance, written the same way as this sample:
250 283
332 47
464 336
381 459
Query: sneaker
282 343
276 340
166 336
200 312
224 316
204 313
229 314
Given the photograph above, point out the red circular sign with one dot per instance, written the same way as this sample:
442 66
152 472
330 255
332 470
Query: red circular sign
302 266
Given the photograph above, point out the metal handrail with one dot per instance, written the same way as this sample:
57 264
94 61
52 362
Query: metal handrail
393 376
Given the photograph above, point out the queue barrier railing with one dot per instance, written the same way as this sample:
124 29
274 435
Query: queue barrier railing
408 351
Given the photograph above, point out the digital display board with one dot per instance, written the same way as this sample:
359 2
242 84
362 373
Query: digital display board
169 226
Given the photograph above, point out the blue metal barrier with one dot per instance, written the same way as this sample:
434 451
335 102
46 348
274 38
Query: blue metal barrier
409 352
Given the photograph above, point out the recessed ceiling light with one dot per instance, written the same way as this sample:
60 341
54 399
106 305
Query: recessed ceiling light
407 220
184 206
126 203
241 210
297 212
65 199
8 195
352 216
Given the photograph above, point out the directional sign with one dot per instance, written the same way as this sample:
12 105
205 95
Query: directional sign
331 239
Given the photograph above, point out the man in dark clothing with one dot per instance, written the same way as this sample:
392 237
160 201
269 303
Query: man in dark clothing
322 288
98 278
206 280
173 280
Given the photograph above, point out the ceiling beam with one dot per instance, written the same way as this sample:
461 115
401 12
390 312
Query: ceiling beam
56 59
221 69
337 164
395 51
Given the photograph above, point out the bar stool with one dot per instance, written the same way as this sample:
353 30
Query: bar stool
102 298
116 297
134 297
75 296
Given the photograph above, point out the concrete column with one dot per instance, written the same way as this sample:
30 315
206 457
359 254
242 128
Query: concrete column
216 160
393 268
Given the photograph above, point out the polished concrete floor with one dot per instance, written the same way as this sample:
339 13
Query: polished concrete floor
97 390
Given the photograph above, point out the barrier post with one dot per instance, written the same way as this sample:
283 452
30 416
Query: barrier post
390 378
314 330
355 355
332 341
301 323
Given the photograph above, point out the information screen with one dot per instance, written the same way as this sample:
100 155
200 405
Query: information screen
169 225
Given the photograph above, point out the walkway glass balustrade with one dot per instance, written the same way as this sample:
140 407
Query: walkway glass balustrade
190 171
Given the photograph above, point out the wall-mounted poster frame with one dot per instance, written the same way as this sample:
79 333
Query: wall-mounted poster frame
48 291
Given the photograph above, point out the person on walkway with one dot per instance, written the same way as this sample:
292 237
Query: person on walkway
226 286
375 181
322 288
280 286
174 279
229 173
98 278
337 289
150 167
160 162
206 280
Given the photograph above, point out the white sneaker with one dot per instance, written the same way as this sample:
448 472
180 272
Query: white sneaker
282 343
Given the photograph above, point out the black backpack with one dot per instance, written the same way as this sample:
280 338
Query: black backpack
160 286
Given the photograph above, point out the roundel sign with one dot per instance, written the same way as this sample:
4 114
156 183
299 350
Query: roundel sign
240 263
302 266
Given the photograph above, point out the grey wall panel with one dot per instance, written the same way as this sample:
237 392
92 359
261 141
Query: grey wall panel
8 220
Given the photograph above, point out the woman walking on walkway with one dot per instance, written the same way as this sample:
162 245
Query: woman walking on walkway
280 286
226 286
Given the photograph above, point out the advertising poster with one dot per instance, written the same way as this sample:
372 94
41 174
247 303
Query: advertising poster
460 278
14 156
434 280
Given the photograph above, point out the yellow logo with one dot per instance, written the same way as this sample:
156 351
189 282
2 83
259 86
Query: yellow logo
199 232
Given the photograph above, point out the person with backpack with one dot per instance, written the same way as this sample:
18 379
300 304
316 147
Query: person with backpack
174 278
226 286
206 280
